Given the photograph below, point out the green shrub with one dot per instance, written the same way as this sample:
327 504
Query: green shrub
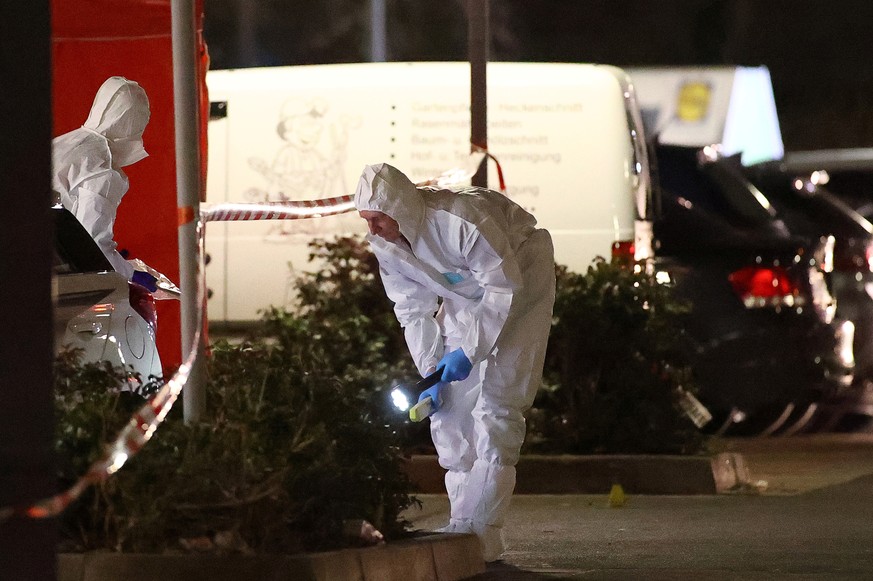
290 449
347 293
617 355
617 352
343 304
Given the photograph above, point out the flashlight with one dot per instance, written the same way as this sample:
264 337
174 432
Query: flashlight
421 409
400 399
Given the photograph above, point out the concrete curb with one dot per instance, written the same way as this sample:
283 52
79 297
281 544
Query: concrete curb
441 557
637 474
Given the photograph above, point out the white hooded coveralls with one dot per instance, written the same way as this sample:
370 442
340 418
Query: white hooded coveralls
86 163
476 274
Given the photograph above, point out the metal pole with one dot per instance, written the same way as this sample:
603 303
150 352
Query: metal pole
478 37
188 194
378 39
246 35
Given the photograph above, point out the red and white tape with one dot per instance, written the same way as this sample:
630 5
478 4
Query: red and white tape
244 212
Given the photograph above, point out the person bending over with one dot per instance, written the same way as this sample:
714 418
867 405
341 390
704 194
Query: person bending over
473 284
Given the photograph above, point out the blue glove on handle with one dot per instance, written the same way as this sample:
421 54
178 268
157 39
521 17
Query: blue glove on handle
434 394
455 366
145 279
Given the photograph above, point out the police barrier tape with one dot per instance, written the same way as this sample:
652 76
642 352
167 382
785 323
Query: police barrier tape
145 421
245 211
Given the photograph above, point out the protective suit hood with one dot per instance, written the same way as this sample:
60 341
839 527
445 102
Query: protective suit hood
120 113
384 188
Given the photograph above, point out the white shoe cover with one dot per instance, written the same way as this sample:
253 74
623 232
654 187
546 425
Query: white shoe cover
457 525
491 539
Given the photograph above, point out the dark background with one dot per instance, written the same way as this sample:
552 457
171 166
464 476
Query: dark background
818 52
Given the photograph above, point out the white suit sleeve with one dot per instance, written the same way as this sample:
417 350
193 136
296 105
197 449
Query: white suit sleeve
415 308
494 266
97 215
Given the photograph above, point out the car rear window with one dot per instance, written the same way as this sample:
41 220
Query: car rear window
75 250
814 211
719 188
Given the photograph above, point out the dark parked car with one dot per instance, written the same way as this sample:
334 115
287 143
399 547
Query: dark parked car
812 210
770 348
849 173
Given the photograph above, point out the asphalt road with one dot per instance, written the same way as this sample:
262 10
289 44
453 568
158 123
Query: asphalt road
810 517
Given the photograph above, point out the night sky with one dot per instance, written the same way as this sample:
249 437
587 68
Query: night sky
819 52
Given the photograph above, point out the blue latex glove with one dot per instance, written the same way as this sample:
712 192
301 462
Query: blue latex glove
434 394
455 366
145 279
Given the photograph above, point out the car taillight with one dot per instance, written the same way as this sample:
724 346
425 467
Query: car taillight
762 286
142 301
623 250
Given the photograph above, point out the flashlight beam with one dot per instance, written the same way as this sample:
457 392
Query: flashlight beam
400 399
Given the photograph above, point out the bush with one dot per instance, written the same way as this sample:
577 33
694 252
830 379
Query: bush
617 355
344 307
347 293
295 443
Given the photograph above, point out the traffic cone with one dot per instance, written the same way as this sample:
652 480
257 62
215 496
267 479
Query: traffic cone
616 496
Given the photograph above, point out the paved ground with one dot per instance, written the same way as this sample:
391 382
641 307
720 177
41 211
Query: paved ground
811 517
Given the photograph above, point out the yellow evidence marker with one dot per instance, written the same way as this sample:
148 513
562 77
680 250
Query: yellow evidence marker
617 497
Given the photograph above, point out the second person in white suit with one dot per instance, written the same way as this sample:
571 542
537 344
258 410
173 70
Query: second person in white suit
87 175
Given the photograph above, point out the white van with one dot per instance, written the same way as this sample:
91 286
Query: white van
569 139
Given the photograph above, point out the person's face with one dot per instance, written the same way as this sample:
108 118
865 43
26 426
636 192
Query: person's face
381 225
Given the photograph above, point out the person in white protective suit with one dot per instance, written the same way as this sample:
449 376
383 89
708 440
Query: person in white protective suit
87 175
473 285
